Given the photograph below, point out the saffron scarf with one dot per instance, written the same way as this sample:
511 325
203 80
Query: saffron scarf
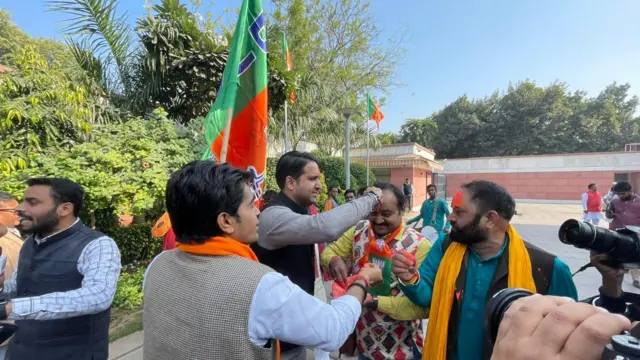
520 276
221 246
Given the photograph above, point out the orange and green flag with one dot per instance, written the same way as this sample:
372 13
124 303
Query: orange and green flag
286 55
244 89
374 111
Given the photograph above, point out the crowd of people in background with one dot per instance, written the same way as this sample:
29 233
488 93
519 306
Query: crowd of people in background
236 278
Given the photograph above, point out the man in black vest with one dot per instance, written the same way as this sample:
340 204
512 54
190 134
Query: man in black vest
287 232
61 291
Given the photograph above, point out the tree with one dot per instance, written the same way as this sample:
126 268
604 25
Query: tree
175 62
42 108
528 119
337 56
102 44
421 131
389 138
339 42
125 167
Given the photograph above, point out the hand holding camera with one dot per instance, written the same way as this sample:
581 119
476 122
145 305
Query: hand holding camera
549 327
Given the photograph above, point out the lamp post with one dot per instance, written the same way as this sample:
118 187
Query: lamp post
347 112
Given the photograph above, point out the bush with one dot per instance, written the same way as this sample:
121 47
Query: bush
333 169
270 182
135 242
129 292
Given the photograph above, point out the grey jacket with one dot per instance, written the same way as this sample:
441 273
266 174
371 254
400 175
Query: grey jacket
279 226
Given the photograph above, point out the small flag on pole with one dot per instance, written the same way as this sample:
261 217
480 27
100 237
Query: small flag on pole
289 63
374 111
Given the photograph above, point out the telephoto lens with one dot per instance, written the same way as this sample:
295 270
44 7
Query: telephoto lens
498 306
622 246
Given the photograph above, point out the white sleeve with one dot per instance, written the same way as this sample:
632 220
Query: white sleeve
282 310
584 201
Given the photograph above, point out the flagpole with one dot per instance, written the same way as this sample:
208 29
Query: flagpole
286 128
225 139
367 123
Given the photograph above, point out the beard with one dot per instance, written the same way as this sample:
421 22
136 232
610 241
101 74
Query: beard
42 225
470 233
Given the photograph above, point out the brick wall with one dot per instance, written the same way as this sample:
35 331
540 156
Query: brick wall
538 185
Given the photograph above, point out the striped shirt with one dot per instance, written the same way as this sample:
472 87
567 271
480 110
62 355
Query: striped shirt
99 263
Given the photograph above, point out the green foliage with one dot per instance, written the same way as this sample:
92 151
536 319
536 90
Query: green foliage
129 294
529 120
333 170
135 242
14 40
40 108
124 167
270 182
338 56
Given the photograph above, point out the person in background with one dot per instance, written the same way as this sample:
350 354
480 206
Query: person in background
610 196
399 337
332 200
349 195
624 210
287 233
482 255
169 240
11 242
592 205
229 305
434 213
361 191
267 198
61 291
407 190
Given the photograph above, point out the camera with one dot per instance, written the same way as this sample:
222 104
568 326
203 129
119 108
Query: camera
622 347
622 245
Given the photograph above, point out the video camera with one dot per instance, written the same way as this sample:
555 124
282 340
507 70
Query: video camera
622 245
623 248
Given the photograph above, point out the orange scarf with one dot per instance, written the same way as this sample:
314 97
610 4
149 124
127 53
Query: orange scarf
222 246
385 251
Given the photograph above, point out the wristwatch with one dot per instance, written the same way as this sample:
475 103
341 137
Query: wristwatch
373 305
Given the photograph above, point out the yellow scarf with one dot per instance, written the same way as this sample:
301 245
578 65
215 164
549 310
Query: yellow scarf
520 276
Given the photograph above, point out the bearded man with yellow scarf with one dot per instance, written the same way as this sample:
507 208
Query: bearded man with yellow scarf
483 255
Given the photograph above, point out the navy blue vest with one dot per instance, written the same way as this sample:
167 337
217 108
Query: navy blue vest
53 267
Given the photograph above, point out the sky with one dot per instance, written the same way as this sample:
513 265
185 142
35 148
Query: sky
471 47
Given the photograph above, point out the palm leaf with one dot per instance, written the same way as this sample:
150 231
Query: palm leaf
105 34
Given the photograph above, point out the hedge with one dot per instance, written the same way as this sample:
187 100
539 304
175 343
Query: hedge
135 242
333 169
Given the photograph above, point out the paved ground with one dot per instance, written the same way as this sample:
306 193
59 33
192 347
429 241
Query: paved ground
537 223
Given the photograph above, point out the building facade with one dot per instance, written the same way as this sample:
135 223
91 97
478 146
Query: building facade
547 178
398 162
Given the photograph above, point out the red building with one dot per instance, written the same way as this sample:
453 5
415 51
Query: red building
547 178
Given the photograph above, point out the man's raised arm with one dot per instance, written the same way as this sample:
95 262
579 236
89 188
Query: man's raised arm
280 226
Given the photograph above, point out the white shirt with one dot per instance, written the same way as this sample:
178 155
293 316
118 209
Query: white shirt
281 310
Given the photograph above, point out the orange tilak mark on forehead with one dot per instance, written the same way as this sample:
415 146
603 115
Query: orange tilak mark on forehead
457 200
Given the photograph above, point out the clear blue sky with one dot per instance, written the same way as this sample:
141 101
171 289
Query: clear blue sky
471 47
